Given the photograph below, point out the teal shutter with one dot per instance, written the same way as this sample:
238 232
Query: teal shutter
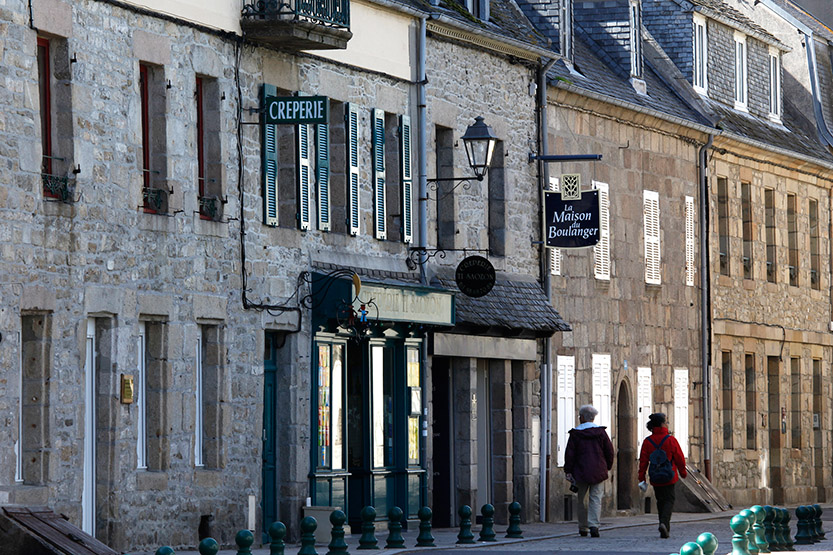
379 215
352 130
407 178
269 163
303 163
322 170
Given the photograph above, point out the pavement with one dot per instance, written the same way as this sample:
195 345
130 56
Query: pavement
618 534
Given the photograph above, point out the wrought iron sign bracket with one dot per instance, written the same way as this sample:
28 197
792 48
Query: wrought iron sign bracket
458 181
564 157
419 256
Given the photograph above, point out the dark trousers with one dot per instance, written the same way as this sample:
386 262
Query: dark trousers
665 503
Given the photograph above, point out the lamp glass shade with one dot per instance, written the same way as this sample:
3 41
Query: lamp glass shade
479 141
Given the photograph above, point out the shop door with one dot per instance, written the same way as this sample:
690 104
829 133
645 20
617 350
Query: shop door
625 453
443 445
270 455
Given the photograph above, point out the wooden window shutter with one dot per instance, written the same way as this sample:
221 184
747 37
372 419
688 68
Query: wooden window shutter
602 249
554 254
407 178
269 170
601 388
379 215
322 171
652 248
566 410
303 163
690 267
351 114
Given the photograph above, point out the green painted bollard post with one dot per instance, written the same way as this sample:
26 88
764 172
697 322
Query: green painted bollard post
691 548
819 528
707 542
368 537
758 527
337 544
514 530
208 546
813 523
164 550
802 535
487 531
425 538
465 535
769 528
751 546
787 535
739 525
277 532
244 540
778 529
395 538
308 526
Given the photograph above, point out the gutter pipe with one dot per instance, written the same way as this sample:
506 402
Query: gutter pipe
705 308
546 368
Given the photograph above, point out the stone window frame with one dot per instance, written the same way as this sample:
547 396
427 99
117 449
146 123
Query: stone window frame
208 124
741 72
700 63
55 99
153 134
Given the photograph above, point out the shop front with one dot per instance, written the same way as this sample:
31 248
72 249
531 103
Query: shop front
368 419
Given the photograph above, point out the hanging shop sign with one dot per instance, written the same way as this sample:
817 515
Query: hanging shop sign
571 224
475 276
296 109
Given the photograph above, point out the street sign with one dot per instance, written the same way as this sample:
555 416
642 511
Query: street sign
296 109
571 224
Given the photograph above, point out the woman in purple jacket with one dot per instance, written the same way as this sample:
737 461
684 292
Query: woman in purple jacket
587 460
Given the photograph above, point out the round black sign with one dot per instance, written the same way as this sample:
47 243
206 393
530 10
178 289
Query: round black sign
475 276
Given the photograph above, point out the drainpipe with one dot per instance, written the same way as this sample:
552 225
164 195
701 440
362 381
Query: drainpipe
422 176
546 368
705 308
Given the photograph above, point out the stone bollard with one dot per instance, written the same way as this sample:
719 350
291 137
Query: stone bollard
395 538
308 526
277 532
368 537
425 538
691 548
514 530
739 525
758 527
707 542
803 535
819 528
337 544
465 535
244 540
785 522
769 528
751 546
208 546
165 550
487 531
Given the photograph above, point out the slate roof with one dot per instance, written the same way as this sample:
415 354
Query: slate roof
512 308
720 11
805 17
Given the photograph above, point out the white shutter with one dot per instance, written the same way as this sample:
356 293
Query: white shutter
566 408
379 181
304 168
644 402
681 408
352 129
650 207
269 154
322 171
690 267
601 389
602 249
555 254
407 178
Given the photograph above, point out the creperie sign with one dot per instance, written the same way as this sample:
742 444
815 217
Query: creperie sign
296 109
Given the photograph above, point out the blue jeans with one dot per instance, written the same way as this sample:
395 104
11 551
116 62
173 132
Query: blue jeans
589 505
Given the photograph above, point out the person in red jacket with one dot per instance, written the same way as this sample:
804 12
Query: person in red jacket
664 491
587 459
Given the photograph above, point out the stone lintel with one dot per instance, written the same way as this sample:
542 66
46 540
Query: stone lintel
470 346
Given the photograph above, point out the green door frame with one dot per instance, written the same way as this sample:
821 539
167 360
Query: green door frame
270 452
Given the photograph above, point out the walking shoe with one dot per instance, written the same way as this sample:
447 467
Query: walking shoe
594 532
582 532
663 531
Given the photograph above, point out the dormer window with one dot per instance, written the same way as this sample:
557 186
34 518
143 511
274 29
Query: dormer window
740 71
774 84
635 39
478 8
566 29
701 58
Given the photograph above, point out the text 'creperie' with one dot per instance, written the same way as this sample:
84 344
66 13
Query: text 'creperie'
296 109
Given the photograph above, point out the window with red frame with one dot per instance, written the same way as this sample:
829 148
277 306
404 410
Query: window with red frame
55 100
152 93
209 160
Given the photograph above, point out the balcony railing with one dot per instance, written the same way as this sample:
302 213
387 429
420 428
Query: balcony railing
57 187
298 24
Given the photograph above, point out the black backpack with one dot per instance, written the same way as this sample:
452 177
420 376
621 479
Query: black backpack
660 471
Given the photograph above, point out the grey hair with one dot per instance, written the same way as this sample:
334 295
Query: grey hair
588 412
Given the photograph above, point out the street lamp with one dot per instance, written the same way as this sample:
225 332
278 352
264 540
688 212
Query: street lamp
479 141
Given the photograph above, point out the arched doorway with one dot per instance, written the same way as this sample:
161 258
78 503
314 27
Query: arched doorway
625 449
